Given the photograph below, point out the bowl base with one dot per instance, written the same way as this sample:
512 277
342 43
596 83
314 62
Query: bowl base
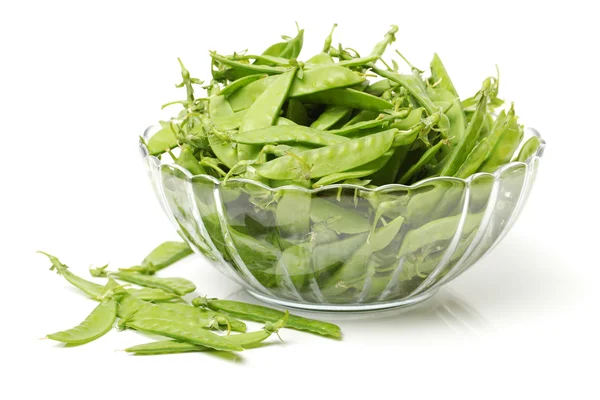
344 307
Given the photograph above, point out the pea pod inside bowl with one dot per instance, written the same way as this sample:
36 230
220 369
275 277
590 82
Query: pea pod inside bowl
337 183
342 246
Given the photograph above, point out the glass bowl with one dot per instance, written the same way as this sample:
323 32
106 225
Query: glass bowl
318 249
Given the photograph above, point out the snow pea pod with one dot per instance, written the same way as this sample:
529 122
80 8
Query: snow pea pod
152 294
440 76
230 122
529 148
296 112
425 159
474 160
389 38
380 87
293 210
246 68
331 159
358 172
378 122
295 264
162 140
182 331
347 97
240 83
188 161
337 218
263 314
319 60
505 145
179 286
289 49
246 340
264 112
98 323
353 268
92 289
192 313
330 116
289 134
455 114
459 152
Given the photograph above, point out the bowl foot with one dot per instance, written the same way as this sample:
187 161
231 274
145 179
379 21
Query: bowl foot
345 307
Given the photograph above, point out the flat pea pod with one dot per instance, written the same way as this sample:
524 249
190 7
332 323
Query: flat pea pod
187 160
218 107
327 256
230 122
435 231
529 148
190 312
389 171
425 159
337 218
353 268
162 140
319 60
296 112
244 97
327 160
379 87
240 83
295 263
459 152
505 147
324 78
284 121
358 62
246 68
389 38
474 160
288 49
347 97
265 111
225 151
179 286
167 253
98 323
246 340
375 123
152 294
289 134
440 76
293 210
265 314
92 289
362 116
455 114
358 172
330 116
181 331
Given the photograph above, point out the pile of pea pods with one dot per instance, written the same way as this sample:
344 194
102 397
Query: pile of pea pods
158 306
335 118
297 149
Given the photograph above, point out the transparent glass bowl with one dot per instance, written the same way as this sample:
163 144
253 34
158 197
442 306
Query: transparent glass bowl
318 249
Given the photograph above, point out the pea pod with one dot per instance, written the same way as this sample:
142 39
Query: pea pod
296 112
425 158
162 140
363 126
440 76
179 286
367 169
337 218
246 340
529 148
289 134
289 49
265 314
474 160
264 112
347 98
191 314
505 145
331 159
331 116
389 38
98 323
92 289
293 210
240 83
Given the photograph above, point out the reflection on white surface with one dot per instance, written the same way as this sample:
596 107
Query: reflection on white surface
445 310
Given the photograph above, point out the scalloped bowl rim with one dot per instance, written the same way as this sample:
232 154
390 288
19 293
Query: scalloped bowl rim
390 186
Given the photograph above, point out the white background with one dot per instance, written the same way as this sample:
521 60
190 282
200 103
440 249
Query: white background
79 81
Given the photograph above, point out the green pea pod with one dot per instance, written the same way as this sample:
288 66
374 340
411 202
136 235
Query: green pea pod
230 122
282 121
240 83
92 289
455 114
474 160
246 340
188 161
353 268
358 62
367 169
99 322
505 145
290 134
362 116
181 331
440 76
288 49
245 69
265 314
162 140
295 263
218 107
293 210
459 153
529 148
348 98
337 218
225 151
179 286
330 116
327 160
192 313
380 87
365 125
425 159
319 60
152 295
264 112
